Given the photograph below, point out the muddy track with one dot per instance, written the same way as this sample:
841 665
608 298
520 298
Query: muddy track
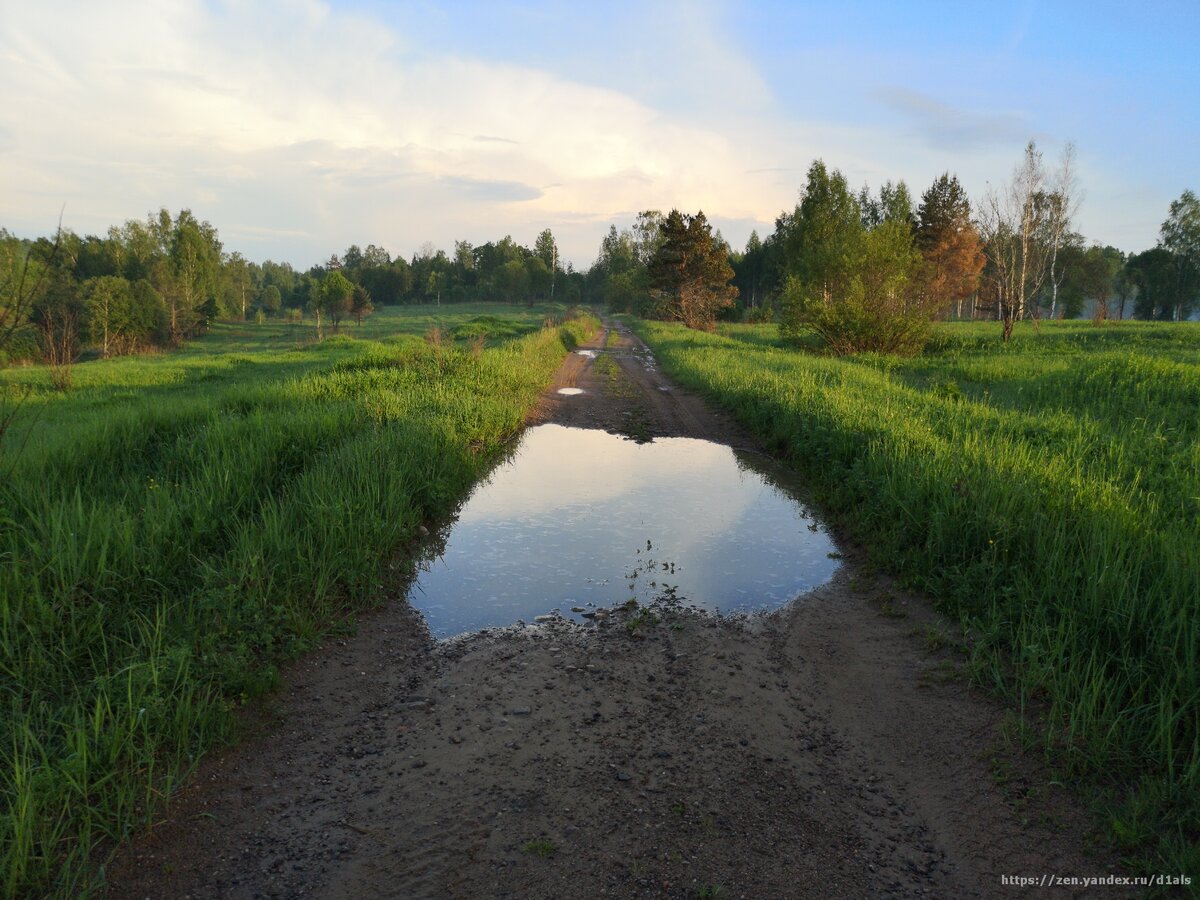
825 750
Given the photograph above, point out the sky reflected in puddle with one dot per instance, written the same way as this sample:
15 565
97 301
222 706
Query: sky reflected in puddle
583 518
570 392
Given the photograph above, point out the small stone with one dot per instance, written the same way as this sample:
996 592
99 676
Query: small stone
520 711
622 776
418 764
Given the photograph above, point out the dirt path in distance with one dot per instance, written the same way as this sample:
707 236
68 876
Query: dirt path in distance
829 749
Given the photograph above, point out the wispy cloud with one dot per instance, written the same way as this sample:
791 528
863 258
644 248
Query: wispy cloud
948 127
493 191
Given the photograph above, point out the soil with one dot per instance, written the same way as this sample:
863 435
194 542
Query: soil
829 749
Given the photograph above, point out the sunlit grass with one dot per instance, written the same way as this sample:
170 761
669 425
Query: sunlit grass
176 525
1046 492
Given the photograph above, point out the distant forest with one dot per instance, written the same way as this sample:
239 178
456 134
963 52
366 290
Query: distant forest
1014 255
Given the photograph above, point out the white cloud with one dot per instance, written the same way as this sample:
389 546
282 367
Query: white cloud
298 129
271 122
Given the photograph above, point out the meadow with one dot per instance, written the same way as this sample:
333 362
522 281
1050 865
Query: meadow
1046 493
175 526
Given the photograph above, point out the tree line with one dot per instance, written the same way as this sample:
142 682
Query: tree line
158 281
862 269
871 270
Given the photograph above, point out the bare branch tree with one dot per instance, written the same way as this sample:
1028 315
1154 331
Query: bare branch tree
60 342
1063 203
21 281
1023 224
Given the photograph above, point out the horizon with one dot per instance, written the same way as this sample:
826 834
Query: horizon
401 124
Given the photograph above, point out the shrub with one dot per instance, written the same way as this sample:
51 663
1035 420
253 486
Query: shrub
876 305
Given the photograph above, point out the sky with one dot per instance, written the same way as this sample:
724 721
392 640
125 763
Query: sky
300 127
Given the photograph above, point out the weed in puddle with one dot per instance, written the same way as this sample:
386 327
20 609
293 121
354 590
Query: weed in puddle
540 847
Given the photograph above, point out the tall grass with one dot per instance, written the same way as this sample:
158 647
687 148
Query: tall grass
1048 494
163 553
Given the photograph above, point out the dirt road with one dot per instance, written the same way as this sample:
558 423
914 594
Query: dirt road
830 749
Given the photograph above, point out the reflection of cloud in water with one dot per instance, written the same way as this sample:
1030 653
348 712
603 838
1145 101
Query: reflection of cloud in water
563 520
557 467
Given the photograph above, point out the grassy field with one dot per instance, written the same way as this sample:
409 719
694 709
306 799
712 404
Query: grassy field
176 525
1047 493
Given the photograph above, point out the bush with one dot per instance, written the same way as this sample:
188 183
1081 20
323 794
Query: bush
855 322
873 304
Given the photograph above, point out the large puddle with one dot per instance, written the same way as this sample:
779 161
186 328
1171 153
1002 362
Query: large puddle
581 520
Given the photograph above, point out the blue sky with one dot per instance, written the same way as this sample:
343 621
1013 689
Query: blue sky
300 127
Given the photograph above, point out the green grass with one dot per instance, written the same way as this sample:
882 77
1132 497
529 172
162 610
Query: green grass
176 525
540 847
233 353
1047 493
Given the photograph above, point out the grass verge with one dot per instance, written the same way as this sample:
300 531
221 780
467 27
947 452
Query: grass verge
1047 493
164 550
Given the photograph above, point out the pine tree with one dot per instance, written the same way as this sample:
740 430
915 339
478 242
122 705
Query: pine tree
690 272
948 242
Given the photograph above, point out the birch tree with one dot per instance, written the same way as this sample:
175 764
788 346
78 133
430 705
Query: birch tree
1062 204
1023 224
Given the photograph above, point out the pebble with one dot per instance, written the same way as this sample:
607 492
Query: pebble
520 711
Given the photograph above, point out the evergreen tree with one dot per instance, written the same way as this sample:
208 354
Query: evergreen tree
690 273
949 243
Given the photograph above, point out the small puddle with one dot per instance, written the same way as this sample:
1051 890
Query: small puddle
570 392
590 354
579 518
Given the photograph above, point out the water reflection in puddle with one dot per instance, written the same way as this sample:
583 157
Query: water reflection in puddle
570 392
590 354
585 519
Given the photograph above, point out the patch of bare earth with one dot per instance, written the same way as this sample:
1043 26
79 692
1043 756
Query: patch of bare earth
826 750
